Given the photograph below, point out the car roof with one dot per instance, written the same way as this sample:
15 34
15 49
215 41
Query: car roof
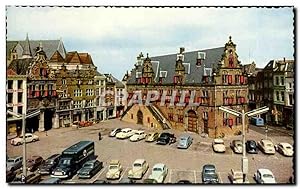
218 140
209 166
140 161
126 129
91 161
184 136
265 171
285 144
34 157
140 131
266 141
114 161
159 165
14 157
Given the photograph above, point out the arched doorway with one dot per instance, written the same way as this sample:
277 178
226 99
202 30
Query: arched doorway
139 117
192 121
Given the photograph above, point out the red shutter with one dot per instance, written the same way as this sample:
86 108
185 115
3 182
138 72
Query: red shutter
242 99
230 122
242 79
46 93
54 93
175 79
37 93
229 100
229 79
187 99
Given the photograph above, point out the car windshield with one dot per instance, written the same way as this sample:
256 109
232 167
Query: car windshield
164 135
219 142
238 144
137 165
11 160
88 165
157 169
49 161
113 167
288 147
209 171
268 176
269 145
65 161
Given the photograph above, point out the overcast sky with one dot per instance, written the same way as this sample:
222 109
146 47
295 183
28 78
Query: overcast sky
115 36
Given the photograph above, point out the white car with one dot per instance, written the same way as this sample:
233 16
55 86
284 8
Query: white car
159 172
237 146
266 146
139 135
139 168
114 170
14 163
285 149
263 176
218 145
125 133
114 132
28 138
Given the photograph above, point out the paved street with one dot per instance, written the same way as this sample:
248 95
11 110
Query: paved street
182 164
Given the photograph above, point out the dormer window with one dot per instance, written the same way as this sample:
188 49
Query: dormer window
187 68
162 74
231 59
200 58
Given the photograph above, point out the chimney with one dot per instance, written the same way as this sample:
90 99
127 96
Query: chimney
181 51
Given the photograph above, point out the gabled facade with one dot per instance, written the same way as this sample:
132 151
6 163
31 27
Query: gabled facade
210 77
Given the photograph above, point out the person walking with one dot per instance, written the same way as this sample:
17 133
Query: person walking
99 134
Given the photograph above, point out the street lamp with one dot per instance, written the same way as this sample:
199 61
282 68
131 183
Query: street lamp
243 114
23 117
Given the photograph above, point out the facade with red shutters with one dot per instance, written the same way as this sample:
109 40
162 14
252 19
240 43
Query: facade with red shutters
210 77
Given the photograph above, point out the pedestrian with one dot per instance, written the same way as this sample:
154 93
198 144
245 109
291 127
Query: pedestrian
99 134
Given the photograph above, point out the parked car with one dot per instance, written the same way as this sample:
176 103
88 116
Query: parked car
10 175
139 168
34 162
185 141
28 138
125 133
218 145
266 146
114 170
237 146
51 180
14 163
126 181
251 147
285 149
50 163
101 182
263 176
149 181
139 135
90 168
166 138
151 137
114 132
184 182
159 172
236 177
209 174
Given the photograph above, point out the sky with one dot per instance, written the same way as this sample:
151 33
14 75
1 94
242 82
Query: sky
115 36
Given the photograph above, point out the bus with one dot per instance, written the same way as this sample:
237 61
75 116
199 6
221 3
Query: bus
73 158
257 121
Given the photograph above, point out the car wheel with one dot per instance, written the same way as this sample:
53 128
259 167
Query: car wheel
33 140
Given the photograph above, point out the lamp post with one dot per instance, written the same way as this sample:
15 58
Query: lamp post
243 114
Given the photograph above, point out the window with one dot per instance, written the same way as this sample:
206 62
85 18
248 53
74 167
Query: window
225 77
277 95
77 92
89 103
90 82
64 81
291 99
170 117
238 120
9 84
20 84
131 116
175 79
282 96
89 92
225 119
20 97
180 118
282 80
148 119
277 80
79 81
77 104
64 94
20 109
9 98
205 115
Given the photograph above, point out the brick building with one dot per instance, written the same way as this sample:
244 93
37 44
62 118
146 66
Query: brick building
211 77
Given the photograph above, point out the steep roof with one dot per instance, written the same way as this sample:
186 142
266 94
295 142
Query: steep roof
49 46
20 66
165 65
112 79
81 58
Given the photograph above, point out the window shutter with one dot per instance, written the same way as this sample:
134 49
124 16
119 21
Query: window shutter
242 79
230 122
229 79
